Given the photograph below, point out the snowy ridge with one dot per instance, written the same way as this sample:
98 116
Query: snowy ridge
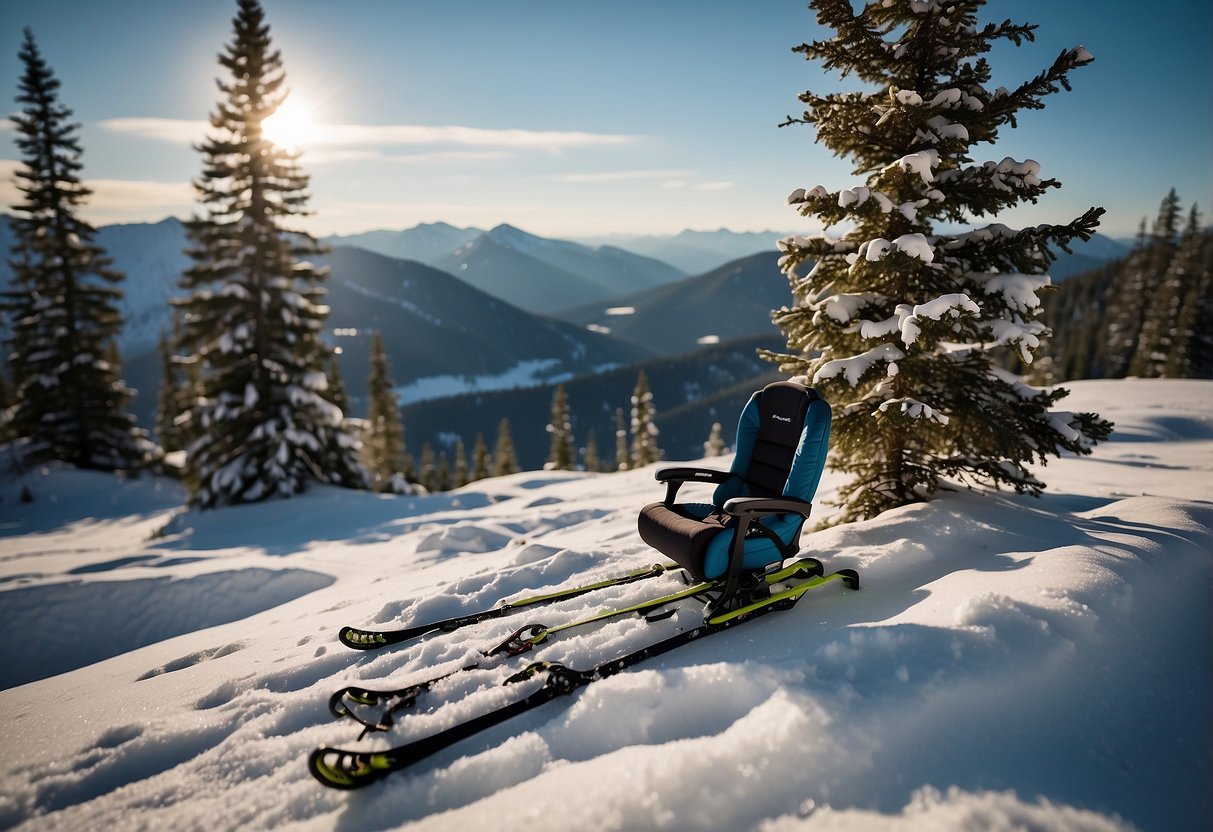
1009 662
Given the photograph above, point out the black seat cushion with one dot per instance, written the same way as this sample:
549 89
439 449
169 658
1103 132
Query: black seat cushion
682 532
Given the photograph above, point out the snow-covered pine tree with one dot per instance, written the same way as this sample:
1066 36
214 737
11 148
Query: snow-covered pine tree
644 426
714 446
1136 285
429 471
505 458
253 323
592 462
383 445
338 395
480 459
621 442
1156 352
1192 355
460 474
443 476
562 456
169 398
70 402
896 324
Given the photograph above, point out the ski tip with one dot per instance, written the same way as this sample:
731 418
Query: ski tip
346 770
360 639
849 577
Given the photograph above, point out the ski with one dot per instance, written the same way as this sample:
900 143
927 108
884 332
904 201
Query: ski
344 769
359 639
521 641
526 638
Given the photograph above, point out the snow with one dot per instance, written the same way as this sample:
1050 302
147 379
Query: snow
1010 663
522 374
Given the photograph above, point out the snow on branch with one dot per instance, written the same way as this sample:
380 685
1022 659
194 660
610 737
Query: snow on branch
855 367
952 306
922 163
911 409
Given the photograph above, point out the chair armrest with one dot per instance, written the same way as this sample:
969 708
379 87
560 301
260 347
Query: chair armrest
675 477
767 505
687 474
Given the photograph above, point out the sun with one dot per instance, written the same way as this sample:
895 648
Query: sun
292 125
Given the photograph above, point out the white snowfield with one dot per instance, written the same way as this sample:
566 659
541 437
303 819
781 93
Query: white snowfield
1009 662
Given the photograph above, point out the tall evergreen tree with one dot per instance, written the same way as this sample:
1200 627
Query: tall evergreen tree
1156 352
644 427
592 461
70 401
169 399
461 465
339 396
1192 354
505 458
443 476
1138 283
480 459
383 446
562 456
622 456
429 471
901 327
265 420
715 445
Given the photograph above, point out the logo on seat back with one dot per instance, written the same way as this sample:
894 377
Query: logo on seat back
779 418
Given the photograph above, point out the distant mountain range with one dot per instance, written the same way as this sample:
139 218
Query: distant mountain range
426 243
534 273
729 302
151 257
440 334
448 333
690 392
696 252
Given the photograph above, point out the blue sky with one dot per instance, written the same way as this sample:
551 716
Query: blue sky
579 119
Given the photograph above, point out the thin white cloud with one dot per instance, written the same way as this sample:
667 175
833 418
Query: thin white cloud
182 131
121 197
175 130
331 155
113 200
715 185
618 175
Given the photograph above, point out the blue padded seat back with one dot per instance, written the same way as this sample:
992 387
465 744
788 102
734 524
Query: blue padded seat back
782 439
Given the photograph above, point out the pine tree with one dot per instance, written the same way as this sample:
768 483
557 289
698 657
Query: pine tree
169 399
1192 355
461 465
70 401
505 459
715 445
265 420
6 401
561 456
429 471
480 459
1155 354
644 428
900 327
1136 285
338 395
590 456
443 476
383 446
621 442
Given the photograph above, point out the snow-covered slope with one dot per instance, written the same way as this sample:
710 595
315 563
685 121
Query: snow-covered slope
1008 663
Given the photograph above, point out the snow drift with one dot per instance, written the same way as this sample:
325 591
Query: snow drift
1009 663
